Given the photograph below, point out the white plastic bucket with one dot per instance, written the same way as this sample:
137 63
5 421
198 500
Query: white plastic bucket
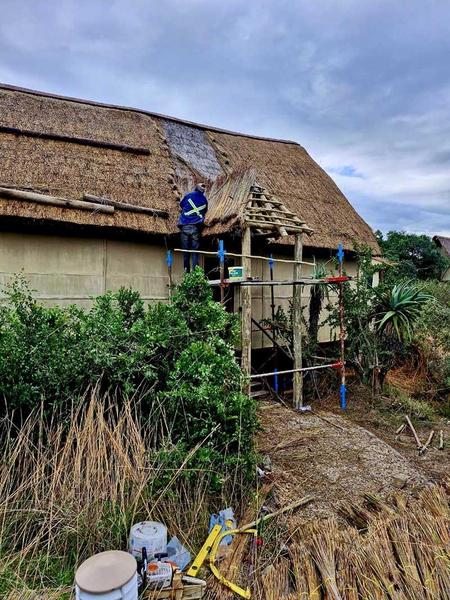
107 576
150 535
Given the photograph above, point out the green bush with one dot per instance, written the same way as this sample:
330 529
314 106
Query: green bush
432 337
177 359
379 322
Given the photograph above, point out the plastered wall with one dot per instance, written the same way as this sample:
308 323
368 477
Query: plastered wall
71 270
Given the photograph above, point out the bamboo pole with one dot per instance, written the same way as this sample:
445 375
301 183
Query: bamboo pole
74 140
301 280
414 432
427 443
297 324
343 388
292 506
54 201
246 302
298 370
280 260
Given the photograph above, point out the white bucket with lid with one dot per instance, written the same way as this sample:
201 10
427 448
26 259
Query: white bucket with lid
107 576
150 535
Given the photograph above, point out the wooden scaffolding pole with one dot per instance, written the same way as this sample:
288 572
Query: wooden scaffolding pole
246 303
297 324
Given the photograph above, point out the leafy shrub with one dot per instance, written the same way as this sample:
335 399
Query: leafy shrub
177 358
411 406
415 256
399 308
432 337
379 322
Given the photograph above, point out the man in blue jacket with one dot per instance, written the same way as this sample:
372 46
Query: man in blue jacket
192 217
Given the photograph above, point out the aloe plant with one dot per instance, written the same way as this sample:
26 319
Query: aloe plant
397 309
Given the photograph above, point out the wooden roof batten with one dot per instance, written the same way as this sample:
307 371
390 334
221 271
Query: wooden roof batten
268 216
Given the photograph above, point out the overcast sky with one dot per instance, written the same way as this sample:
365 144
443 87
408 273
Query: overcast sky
363 85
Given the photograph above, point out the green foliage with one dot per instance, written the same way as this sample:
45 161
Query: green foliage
398 309
379 323
318 294
177 358
411 406
417 256
432 336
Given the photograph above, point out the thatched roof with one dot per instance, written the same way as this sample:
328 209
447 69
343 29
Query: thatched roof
67 148
444 243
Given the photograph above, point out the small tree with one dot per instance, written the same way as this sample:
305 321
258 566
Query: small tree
417 256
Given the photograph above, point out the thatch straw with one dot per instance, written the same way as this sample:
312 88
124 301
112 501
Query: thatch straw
402 554
180 155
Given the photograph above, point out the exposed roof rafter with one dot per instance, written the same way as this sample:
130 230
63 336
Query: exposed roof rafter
267 214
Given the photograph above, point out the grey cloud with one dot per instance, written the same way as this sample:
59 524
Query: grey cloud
364 86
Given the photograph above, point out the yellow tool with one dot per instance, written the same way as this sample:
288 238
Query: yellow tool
212 562
210 548
205 550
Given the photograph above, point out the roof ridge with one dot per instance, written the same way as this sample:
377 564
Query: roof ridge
14 88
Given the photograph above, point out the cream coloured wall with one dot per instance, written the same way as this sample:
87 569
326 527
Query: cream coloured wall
73 270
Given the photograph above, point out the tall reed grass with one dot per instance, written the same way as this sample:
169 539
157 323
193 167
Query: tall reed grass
70 488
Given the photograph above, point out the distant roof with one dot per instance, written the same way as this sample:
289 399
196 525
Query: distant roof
444 242
67 147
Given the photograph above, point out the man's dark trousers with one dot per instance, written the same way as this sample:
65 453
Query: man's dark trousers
190 240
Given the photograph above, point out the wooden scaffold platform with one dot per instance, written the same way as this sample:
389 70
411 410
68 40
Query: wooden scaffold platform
264 214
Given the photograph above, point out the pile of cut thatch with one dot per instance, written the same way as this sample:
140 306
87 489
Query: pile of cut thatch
375 551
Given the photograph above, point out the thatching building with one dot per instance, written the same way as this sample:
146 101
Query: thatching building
443 243
77 152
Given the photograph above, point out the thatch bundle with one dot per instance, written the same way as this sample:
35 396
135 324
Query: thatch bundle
401 553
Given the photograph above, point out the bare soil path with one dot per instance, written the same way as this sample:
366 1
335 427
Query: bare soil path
335 460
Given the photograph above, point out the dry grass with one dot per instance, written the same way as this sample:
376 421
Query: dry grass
402 553
71 489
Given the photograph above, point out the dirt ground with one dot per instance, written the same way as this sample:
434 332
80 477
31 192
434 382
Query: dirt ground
340 458
379 418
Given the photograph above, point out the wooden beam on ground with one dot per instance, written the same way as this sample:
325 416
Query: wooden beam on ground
15 194
297 323
414 432
246 303
427 443
294 505
127 207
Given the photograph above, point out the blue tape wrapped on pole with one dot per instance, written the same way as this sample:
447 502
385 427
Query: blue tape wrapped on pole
275 380
343 393
271 261
221 253
169 258
340 253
